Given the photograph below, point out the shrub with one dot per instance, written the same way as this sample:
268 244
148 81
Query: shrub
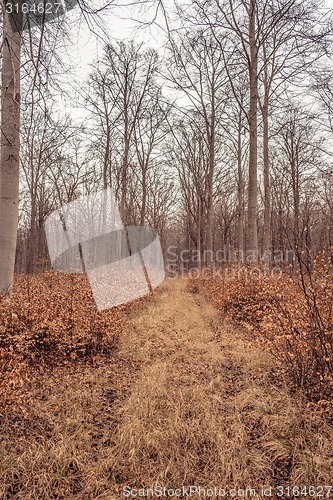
290 313
50 320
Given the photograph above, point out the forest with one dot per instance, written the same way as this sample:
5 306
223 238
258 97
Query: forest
210 125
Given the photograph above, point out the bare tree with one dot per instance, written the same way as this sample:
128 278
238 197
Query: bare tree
10 145
196 69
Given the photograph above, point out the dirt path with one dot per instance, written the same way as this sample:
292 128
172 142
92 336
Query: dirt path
203 411
186 401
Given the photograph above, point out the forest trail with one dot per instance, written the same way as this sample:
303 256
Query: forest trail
187 400
204 409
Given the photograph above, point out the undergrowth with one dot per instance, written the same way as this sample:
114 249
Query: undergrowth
290 313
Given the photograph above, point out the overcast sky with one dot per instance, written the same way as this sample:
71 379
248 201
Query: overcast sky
121 23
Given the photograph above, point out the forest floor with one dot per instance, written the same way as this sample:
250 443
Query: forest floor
186 400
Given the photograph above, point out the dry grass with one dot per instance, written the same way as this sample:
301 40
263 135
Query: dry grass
205 410
50 455
196 403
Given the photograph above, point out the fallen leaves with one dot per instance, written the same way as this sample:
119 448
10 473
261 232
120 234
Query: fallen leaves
51 320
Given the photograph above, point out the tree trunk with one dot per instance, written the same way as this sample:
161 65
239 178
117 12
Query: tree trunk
267 195
106 166
199 233
240 193
267 239
253 152
10 149
32 241
209 244
210 207
144 196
